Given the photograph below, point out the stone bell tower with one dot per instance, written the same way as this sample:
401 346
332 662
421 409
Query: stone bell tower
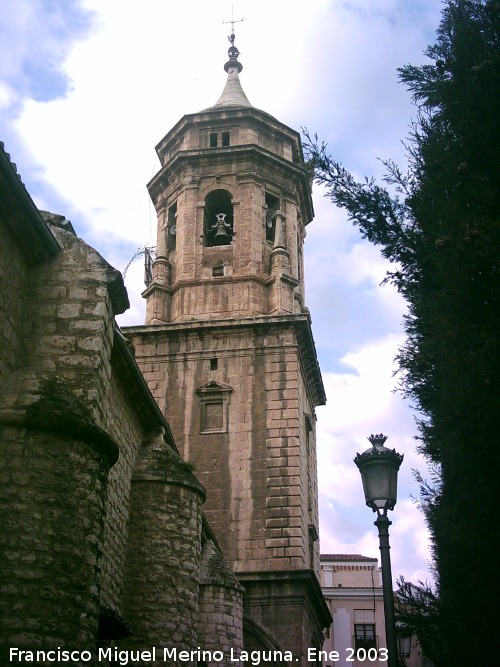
228 353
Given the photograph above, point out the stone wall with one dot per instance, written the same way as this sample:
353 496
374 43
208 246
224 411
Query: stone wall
220 617
295 612
56 448
52 505
126 428
259 461
164 549
70 305
99 516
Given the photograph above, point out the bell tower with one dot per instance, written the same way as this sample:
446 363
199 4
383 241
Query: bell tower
233 198
228 353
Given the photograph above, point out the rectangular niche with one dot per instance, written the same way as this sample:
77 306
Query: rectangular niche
214 407
212 417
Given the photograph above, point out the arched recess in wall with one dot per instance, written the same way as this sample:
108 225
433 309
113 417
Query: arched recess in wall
172 226
271 206
218 225
257 638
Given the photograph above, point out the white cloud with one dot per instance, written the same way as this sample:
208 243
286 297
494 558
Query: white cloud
7 95
362 402
366 393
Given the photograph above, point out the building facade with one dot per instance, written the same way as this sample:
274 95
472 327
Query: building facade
352 586
228 353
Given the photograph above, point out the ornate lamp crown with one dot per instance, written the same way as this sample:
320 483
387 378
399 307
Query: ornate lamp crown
377 439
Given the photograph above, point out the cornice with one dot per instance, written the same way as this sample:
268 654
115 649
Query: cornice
236 155
215 116
301 323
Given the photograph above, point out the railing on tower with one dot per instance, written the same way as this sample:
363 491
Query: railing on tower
149 258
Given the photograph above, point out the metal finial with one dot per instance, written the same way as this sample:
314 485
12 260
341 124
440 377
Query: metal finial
232 51
377 439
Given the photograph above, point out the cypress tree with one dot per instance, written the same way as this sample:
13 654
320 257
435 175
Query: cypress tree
439 223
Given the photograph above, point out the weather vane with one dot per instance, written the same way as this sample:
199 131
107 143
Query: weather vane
232 22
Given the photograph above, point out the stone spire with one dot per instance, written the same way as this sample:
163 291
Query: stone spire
232 95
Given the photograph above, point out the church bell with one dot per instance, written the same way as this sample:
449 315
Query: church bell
222 232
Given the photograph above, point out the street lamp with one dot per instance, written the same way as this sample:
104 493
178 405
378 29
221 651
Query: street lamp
379 473
403 634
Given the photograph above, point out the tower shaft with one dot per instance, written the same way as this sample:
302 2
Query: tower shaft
227 351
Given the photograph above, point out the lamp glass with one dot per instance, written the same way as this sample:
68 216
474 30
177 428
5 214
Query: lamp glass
380 480
404 645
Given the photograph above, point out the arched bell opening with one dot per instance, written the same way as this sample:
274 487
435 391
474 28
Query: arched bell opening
271 206
218 222
172 227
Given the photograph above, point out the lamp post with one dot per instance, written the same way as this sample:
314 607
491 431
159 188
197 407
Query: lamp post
379 473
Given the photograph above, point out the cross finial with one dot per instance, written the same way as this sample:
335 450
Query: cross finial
232 22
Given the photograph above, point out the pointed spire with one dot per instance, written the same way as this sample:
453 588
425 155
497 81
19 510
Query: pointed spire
232 95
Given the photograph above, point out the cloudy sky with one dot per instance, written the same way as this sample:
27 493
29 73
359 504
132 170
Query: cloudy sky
89 87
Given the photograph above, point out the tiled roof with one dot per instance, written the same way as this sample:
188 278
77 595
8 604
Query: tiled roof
233 94
32 235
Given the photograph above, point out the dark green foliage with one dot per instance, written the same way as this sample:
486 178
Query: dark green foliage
419 609
440 225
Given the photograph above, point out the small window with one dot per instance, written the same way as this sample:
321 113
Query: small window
214 364
328 578
364 629
217 271
299 257
364 636
213 139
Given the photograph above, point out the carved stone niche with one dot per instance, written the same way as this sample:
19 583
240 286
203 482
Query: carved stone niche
214 407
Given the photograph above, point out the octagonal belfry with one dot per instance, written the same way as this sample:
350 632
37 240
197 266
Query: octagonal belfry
228 353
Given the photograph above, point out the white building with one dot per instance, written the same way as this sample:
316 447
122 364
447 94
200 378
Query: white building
352 586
